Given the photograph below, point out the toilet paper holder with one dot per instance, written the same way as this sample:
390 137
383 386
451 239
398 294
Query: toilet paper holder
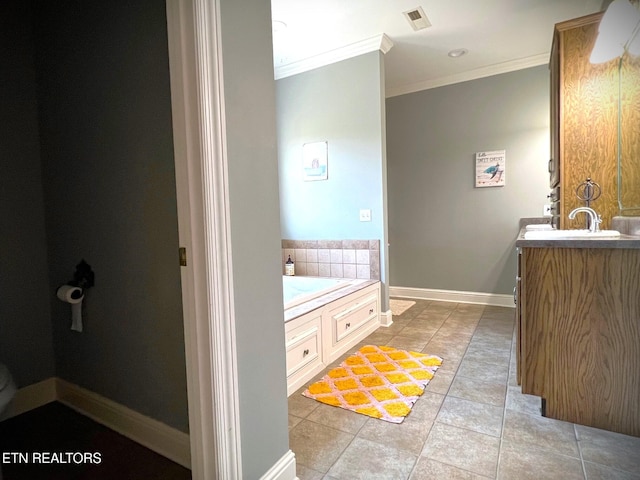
73 292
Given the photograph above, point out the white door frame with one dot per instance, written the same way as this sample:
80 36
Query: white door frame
197 100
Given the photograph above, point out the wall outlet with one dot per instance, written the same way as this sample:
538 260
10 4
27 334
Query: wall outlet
547 210
365 215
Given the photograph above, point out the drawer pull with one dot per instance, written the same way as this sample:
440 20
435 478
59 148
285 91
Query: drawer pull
306 352
370 311
347 325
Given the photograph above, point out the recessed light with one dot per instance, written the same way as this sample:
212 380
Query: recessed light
458 52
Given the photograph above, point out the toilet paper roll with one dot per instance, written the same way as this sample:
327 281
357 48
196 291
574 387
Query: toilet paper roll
74 296
70 294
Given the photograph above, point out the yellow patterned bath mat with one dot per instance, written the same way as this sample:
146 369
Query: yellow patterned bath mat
381 382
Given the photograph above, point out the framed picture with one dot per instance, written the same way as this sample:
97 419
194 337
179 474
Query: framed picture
314 161
490 168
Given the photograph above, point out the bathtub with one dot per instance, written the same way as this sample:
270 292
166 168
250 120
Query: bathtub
324 317
297 290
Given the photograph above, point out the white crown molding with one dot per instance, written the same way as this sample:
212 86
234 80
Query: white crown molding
480 298
378 42
505 67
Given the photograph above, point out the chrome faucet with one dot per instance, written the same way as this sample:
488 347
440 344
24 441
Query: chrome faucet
593 219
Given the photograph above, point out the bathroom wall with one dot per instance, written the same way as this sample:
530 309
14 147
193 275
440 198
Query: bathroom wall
444 232
249 96
25 316
342 104
109 191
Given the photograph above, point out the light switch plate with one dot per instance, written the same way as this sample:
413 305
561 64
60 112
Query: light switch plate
365 215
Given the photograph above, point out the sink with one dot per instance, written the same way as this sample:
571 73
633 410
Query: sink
568 234
539 226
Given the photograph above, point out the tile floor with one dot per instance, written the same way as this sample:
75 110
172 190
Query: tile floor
472 422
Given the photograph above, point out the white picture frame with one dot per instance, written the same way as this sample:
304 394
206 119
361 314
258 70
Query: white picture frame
490 169
315 161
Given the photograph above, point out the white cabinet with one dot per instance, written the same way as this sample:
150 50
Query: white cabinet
316 339
351 322
304 349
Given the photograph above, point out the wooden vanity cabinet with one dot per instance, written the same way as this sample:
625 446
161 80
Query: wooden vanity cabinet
579 334
584 107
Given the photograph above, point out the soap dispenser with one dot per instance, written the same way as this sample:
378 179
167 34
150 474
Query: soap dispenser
289 267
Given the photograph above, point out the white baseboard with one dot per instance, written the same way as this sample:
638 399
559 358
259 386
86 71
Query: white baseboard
386 318
495 299
154 435
283 469
31 397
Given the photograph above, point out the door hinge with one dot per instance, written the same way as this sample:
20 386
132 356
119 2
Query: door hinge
182 252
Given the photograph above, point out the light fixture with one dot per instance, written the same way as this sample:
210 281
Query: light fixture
458 52
618 27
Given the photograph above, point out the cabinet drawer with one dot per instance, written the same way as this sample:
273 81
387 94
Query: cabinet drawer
348 320
302 348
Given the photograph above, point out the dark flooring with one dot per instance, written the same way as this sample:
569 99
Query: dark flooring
54 442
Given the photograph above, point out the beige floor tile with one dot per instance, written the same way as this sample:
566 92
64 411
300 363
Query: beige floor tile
407 343
433 316
379 337
609 448
440 307
366 460
428 469
427 322
406 436
305 473
446 350
522 462
317 446
301 406
478 390
523 403
441 382
489 372
480 353
479 417
293 421
544 433
462 448
419 333
338 418
395 328
595 471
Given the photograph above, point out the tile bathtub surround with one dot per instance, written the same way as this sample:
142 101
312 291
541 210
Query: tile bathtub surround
470 423
334 258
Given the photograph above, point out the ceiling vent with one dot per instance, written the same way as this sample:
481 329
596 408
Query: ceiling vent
417 18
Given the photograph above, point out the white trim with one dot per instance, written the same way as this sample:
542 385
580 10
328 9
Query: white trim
157 436
31 397
386 318
378 42
283 469
195 60
505 67
496 299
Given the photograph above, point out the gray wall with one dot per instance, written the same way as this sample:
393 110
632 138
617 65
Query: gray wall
342 104
25 317
109 186
249 92
444 233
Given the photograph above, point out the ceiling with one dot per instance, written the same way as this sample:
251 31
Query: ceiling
500 36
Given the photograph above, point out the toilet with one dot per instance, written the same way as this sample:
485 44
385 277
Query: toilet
7 389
